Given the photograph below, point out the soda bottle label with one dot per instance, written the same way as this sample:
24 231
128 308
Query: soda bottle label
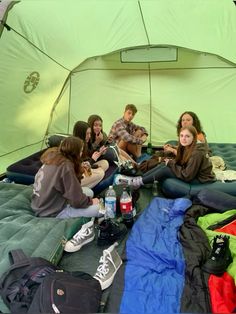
126 207
110 206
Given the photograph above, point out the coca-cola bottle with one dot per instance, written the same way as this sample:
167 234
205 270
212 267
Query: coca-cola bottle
126 208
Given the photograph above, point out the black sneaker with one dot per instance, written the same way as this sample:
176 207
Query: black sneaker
220 257
110 232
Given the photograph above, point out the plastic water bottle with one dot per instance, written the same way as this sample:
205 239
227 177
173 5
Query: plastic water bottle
155 188
126 208
149 148
110 202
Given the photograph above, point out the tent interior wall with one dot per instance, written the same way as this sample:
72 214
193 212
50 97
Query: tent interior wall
161 91
61 61
59 68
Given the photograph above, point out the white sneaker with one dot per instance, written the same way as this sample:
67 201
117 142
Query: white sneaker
83 236
120 179
110 262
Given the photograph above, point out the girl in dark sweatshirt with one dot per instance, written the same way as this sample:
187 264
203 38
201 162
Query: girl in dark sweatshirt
191 164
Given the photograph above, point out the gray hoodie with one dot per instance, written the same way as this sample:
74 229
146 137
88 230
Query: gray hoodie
55 187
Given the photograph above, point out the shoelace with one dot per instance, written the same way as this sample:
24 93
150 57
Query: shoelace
81 235
103 269
123 180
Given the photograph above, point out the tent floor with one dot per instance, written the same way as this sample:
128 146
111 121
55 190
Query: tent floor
87 258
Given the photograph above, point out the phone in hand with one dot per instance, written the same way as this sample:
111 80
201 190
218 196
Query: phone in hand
103 149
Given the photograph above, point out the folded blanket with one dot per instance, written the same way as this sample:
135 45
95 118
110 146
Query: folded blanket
225 175
217 163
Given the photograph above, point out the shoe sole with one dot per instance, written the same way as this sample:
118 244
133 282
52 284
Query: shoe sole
77 248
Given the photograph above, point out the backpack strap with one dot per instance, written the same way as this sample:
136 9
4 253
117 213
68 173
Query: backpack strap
17 259
17 256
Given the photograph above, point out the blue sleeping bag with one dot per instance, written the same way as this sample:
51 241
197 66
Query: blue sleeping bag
155 269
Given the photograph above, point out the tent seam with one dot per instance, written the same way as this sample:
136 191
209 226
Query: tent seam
145 29
32 44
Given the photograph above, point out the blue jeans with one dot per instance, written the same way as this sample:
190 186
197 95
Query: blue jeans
71 212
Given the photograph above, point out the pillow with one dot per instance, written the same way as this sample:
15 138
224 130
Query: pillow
220 201
225 175
217 163
55 139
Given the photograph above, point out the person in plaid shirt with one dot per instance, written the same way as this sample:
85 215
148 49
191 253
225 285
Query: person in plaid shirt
128 136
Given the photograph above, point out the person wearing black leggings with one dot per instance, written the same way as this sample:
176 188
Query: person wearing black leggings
191 164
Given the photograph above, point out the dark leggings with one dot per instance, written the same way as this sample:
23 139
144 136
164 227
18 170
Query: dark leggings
158 173
109 155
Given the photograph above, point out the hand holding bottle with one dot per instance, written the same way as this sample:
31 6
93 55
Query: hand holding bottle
87 168
95 201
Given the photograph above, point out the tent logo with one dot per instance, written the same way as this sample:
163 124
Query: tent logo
31 82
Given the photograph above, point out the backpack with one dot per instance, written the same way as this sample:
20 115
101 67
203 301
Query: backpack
35 285
64 292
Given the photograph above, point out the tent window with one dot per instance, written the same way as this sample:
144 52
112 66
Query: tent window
153 54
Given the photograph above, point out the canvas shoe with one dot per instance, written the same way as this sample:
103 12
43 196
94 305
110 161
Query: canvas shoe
110 232
220 256
83 236
110 262
120 179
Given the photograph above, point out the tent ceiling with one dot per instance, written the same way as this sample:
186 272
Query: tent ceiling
52 42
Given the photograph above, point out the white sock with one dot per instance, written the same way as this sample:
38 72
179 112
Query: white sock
133 181
137 181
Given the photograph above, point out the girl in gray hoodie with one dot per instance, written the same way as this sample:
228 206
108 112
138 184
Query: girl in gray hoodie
57 190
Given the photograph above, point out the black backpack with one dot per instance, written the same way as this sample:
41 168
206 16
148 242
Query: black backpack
35 285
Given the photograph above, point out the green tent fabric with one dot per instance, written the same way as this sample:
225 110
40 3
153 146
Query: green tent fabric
62 61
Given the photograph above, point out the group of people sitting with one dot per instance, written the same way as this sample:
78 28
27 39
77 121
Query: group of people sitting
63 185
189 161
